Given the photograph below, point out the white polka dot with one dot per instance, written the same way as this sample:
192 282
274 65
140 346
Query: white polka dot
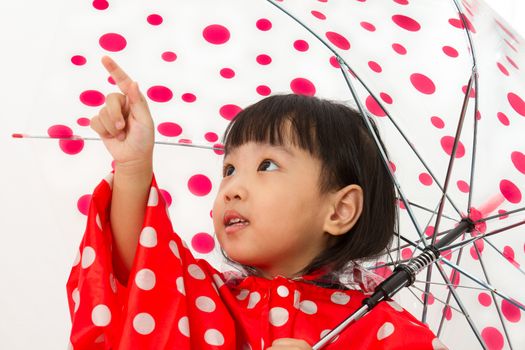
109 180
278 316
214 337
144 323
438 345
262 343
282 291
246 346
174 249
184 326
145 279
180 285
205 304
77 259
100 339
218 280
75 295
325 332
148 237
243 294
385 331
196 272
88 257
340 298
153 199
296 298
113 283
308 307
255 297
101 316
99 223
395 305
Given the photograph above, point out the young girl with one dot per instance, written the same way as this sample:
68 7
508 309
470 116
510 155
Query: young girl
304 194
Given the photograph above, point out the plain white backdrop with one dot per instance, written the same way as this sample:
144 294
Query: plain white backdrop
35 254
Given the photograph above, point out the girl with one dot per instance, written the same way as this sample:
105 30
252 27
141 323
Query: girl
304 194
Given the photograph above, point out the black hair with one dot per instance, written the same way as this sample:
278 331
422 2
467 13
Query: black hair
337 135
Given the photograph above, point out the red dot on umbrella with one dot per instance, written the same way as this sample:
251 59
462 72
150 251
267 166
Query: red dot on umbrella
373 107
167 196
100 4
516 103
493 338
425 179
202 243
512 62
169 56
368 26
112 42
211 136
422 83
71 147
227 73
92 98
301 45
429 231
511 312
111 80
218 148
386 97
508 253
263 90
199 185
154 19
169 129
474 253
338 40
503 119
448 313
318 15
450 51
502 69
83 204
216 34
334 62
263 59
406 22
302 86
510 45
229 111
437 122
384 271
463 186
189 97
263 24
392 166
83 121
400 49
455 22
510 191
159 93
406 253
78 60
502 213
402 2
375 66
59 131
430 298
484 299
447 143
518 159
472 91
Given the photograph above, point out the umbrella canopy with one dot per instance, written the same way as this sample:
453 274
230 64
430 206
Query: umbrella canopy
411 65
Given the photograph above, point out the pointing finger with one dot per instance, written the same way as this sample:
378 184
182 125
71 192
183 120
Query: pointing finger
121 78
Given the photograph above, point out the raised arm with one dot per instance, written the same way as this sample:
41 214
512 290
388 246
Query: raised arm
126 128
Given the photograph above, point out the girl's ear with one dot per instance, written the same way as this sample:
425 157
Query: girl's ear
345 209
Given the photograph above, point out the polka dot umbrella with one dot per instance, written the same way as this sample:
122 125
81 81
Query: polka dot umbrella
443 80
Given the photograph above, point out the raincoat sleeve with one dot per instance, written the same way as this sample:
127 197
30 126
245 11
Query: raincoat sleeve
166 285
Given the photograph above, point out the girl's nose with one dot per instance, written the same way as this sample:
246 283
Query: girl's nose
235 190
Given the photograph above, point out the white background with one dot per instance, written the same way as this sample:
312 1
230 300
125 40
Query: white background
35 253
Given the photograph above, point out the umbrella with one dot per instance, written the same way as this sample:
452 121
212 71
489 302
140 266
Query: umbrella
410 65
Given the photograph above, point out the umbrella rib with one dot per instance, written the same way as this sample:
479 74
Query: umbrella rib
500 253
431 211
445 284
438 299
500 215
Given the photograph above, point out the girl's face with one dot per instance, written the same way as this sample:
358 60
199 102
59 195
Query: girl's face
269 212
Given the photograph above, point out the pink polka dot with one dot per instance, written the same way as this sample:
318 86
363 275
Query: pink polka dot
511 312
59 131
100 4
472 91
406 22
227 73
92 98
199 185
338 40
493 338
501 212
484 299
318 15
189 97
518 159
373 107
375 66
402 2
167 196
503 119
154 19
302 86
512 62
112 42
263 90
263 59
448 313
229 111
463 186
430 298
159 93
400 49
437 122
78 60
454 278
169 56
263 24
450 51
406 253
510 45
455 22
186 141
368 26
218 148
429 231
422 83
71 147
384 271
111 80
510 191
211 136
216 34
425 179
83 204
334 62
169 129
502 69
83 121
392 166
386 98
202 243
447 143
508 253
301 45
517 103
476 253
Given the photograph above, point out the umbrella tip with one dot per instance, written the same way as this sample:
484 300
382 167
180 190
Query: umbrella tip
17 136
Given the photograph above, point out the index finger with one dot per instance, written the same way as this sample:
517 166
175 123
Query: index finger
121 78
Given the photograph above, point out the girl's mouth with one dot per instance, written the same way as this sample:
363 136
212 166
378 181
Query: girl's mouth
233 221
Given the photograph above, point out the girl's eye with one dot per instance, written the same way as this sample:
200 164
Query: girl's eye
228 170
268 165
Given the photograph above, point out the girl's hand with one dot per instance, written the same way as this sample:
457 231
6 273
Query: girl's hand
125 124
289 344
